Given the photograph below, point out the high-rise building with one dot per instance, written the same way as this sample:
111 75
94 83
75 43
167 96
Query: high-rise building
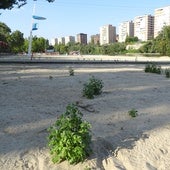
126 29
82 38
95 39
54 41
69 39
144 27
162 18
107 34
61 40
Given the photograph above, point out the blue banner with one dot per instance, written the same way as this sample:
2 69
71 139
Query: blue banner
38 17
34 26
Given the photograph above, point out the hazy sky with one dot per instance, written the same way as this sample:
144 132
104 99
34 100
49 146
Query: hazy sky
70 17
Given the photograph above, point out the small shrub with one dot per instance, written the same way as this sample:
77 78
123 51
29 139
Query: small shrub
71 71
69 138
133 113
167 73
92 87
153 68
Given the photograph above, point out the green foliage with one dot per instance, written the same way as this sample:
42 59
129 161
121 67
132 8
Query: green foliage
92 49
116 48
71 71
153 68
9 4
69 138
4 32
133 113
131 39
148 47
167 73
16 41
38 44
163 41
92 87
161 44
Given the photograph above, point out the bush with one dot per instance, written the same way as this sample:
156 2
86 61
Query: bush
69 138
167 73
92 87
153 68
71 71
133 113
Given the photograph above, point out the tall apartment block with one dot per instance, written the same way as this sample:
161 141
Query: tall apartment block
61 40
95 39
82 38
54 41
107 34
69 39
144 27
162 18
126 29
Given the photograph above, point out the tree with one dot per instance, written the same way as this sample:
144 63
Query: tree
162 41
131 39
9 4
16 41
4 35
38 44
4 32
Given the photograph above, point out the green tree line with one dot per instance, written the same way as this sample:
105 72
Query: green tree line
14 42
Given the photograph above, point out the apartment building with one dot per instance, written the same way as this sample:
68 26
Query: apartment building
107 34
61 40
95 39
162 18
69 39
144 27
82 38
54 41
126 29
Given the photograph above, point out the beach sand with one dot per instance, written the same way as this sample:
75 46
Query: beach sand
33 96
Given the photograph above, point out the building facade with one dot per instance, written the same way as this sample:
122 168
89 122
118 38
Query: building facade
82 38
54 41
126 29
162 18
107 34
95 39
144 27
69 39
61 40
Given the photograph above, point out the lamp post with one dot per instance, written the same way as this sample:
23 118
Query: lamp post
33 28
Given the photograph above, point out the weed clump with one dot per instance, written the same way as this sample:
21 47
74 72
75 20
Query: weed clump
153 68
69 138
71 71
133 113
167 73
92 87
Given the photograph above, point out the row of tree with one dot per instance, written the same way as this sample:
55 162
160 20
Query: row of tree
15 42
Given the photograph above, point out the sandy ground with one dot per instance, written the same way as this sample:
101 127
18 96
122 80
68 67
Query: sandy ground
30 102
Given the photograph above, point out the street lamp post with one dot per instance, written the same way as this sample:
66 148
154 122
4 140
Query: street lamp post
33 28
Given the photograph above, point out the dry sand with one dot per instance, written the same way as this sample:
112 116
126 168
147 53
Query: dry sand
30 102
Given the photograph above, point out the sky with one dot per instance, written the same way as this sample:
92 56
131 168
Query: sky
71 17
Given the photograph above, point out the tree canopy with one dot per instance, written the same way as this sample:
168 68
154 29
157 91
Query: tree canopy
161 44
9 4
